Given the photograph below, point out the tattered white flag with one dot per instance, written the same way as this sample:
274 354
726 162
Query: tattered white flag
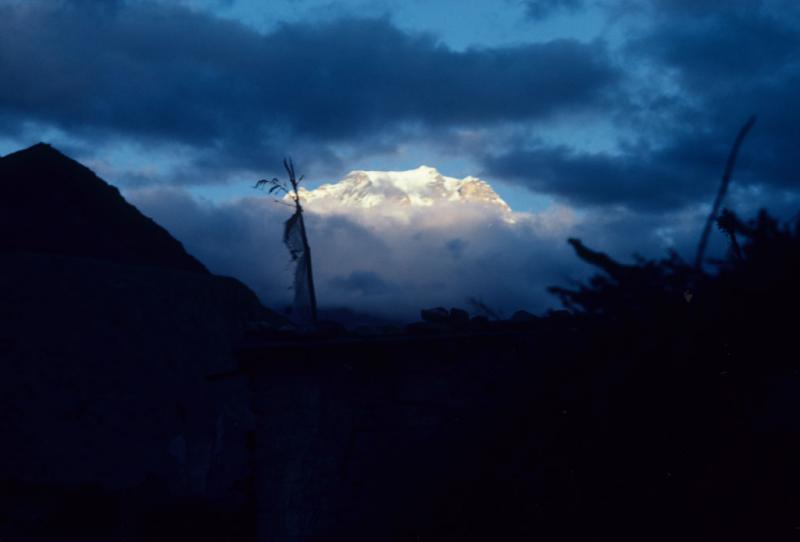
293 235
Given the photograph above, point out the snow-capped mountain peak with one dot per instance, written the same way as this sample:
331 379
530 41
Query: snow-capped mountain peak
420 187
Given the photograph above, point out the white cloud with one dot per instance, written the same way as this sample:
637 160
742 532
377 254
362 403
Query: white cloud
376 261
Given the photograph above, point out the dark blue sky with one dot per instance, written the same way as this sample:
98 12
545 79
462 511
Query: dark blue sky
620 111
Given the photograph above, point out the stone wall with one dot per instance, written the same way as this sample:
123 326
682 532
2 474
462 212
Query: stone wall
391 438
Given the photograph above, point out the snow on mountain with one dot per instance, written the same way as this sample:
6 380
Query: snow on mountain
397 190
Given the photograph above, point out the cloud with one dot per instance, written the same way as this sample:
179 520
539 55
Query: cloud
374 263
230 101
168 74
697 71
441 256
456 247
542 9
683 173
715 47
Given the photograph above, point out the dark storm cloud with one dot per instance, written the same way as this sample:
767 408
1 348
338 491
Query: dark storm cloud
683 172
170 74
717 47
542 9
589 179
715 65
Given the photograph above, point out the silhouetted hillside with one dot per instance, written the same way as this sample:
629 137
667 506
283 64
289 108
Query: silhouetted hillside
51 204
109 331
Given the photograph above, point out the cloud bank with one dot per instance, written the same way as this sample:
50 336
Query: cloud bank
243 99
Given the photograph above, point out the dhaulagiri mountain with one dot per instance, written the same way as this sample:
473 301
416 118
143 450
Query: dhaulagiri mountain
421 187
51 204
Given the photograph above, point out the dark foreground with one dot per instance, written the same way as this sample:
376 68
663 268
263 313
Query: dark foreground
666 405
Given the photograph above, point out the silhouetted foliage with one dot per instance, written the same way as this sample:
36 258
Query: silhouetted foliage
705 363
657 289
627 291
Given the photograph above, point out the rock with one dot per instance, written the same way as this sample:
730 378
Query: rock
439 315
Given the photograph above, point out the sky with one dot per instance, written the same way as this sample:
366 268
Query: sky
608 120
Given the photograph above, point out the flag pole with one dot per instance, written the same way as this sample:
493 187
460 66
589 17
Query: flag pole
312 294
291 190
306 248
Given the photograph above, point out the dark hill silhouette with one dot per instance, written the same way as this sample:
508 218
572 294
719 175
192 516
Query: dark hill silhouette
51 204
110 334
